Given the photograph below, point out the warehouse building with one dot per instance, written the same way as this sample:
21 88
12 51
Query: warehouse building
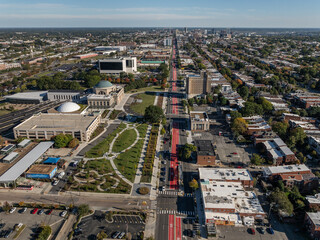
27 97
12 174
45 126
41 171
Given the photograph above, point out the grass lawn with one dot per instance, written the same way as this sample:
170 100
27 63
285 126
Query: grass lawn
146 89
142 129
103 147
147 100
124 140
114 114
102 166
127 162
3 112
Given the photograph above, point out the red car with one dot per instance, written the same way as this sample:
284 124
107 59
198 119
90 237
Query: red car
235 153
239 167
252 231
34 211
49 212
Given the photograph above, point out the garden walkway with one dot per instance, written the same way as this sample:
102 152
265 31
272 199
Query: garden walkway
143 155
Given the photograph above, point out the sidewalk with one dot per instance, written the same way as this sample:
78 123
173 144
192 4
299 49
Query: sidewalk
67 227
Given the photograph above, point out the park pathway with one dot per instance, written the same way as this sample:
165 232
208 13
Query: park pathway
142 157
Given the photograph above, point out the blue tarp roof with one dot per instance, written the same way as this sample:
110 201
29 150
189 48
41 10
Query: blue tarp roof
52 160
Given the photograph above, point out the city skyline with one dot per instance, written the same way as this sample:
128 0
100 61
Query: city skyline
141 13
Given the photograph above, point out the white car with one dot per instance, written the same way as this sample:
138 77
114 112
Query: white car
12 210
55 182
63 214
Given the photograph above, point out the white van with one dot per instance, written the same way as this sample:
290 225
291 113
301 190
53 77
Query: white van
61 175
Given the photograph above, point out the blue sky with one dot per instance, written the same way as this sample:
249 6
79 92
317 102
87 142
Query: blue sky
160 13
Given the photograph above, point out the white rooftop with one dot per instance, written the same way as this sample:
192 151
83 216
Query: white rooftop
229 195
315 218
224 174
314 199
284 169
16 170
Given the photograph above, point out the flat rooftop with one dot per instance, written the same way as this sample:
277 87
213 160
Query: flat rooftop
36 95
51 122
285 169
204 147
41 169
198 116
229 195
315 218
224 174
24 163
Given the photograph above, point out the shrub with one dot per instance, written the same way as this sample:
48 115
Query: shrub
143 190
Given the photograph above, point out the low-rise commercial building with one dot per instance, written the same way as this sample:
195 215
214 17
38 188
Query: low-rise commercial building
277 151
225 203
199 121
41 171
240 175
205 153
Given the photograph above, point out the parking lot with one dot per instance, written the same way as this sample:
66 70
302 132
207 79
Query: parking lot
90 226
32 222
235 233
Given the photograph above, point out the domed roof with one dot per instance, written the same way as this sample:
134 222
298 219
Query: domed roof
103 84
68 107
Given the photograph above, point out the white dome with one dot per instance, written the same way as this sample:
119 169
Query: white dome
68 107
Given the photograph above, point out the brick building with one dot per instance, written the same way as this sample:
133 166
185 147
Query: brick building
205 153
312 223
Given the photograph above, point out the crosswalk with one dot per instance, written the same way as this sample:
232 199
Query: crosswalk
173 193
164 211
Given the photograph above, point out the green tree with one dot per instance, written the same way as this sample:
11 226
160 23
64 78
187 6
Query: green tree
299 135
266 105
244 92
153 114
282 201
280 128
62 140
6 207
186 151
83 209
256 159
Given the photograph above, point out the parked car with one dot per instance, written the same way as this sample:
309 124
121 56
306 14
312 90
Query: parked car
41 211
270 230
252 231
115 235
55 182
23 210
234 153
34 211
8 233
49 212
2 225
63 214
260 230
12 210
61 175
121 235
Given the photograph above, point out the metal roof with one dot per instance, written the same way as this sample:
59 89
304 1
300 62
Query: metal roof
16 170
